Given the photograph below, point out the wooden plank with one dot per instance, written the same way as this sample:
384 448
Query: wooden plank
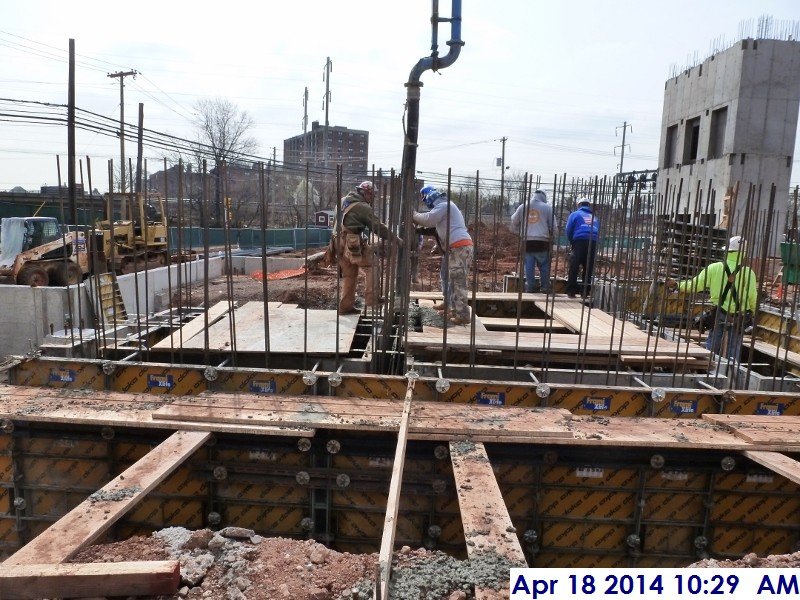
487 524
114 413
761 429
81 580
779 354
555 343
194 327
777 463
95 515
511 324
393 502
290 331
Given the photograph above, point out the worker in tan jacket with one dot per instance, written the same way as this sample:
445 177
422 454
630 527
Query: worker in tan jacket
351 235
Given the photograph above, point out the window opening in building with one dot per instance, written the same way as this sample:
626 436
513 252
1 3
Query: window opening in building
669 147
691 140
716 136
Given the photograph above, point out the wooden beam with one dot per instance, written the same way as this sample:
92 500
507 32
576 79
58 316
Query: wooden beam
95 515
81 580
777 463
393 503
487 524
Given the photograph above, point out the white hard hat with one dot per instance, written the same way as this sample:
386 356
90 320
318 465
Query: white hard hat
584 202
735 244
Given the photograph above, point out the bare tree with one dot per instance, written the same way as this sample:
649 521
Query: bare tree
225 128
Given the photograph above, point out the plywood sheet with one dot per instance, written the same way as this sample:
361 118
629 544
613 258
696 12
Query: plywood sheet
291 331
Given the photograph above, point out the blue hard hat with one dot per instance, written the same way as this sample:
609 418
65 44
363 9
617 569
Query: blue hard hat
429 195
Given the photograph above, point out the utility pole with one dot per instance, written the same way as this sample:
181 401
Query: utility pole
503 173
624 128
326 102
121 75
139 149
305 112
73 205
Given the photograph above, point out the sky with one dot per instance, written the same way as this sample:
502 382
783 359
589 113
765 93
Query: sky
557 79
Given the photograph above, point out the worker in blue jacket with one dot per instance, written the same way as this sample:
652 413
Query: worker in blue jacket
583 231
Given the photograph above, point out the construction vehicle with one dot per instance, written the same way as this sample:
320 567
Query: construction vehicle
133 233
37 251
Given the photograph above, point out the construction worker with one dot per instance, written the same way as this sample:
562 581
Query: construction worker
539 233
452 232
351 234
583 231
734 294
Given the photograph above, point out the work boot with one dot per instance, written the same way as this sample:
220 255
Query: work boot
459 320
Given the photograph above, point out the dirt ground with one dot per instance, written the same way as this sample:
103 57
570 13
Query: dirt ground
498 255
236 564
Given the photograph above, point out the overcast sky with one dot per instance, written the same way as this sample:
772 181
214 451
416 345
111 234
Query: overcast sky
558 79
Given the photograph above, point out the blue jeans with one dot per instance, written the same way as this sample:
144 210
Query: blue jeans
732 325
542 259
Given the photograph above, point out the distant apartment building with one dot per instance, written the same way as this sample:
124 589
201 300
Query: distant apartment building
325 148
733 120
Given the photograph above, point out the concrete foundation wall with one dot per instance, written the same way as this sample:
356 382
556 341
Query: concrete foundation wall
29 314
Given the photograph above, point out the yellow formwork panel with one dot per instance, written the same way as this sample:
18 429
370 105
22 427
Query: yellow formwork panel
8 533
674 506
602 401
64 447
65 473
52 503
671 539
184 512
59 374
753 508
740 497
771 541
182 482
581 534
349 497
578 560
150 511
375 386
520 501
511 474
410 527
491 394
238 491
272 520
763 404
675 480
359 524
452 528
156 379
260 382
665 562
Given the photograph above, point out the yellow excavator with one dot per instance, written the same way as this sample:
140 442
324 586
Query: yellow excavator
37 251
137 237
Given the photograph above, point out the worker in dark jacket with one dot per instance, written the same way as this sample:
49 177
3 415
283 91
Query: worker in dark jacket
351 239
583 231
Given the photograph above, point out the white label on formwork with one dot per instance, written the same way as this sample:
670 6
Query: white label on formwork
380 461
675 475
759 478
593 472
263 455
